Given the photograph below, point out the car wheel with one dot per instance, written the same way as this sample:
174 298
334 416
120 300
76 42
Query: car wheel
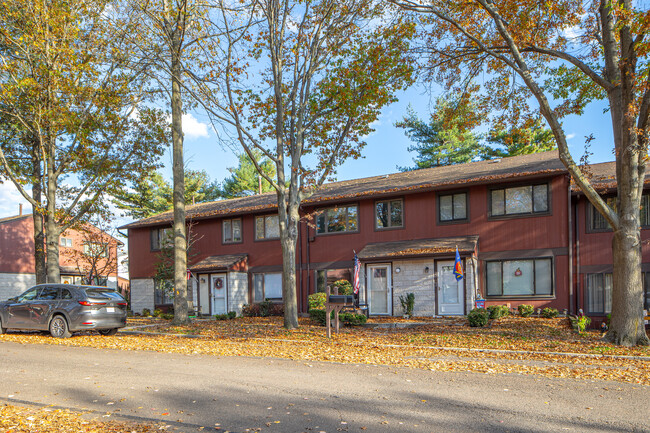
111 331
59 327
2 330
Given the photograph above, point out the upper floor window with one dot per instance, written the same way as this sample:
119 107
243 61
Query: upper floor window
452 207
232 231
96 249
520 277
389 214
519 200
65 242
598 222
338 219
161 238
267 227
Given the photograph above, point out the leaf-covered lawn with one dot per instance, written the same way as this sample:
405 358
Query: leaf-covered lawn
544 347
16 419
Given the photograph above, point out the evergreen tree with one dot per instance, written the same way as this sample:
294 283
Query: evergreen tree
245 180
448 138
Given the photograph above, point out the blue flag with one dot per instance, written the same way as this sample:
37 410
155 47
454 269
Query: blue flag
458 268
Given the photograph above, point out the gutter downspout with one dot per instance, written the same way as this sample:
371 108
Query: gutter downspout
300 291
570 227
577 232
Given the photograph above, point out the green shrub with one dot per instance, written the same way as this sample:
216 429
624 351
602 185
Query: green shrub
478 317
498 311
232 314
525 310
146 312
166 316
408 302
344 287
227 316
157 312
550 313
350 319
263 309
579 323
317 301
317 315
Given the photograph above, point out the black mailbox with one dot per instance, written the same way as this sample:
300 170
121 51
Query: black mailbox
341 299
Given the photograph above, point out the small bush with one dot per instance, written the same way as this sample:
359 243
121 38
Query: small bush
146 312
317 301
317 315
408 302
344 287
157 312
350 319
581 323
498 311
166 316
227 316
550 313
525 310
263 309
232 314
478 317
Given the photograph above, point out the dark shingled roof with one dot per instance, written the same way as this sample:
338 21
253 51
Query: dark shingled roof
15 218
218 262
603 177
419 247
480 172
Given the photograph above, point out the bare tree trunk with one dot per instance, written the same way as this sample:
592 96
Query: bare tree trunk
288 218
39 235
180 231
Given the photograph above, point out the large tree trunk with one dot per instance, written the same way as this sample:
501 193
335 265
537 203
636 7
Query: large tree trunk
288 218
37 216
52 231
180 230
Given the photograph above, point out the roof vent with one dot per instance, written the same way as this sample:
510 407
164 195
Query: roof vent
495 161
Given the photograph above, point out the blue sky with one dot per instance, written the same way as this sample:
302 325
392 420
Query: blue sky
386 148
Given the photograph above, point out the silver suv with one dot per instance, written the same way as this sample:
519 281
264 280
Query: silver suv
65 308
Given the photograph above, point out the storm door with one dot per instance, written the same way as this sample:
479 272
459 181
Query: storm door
451 293
219 305
379 289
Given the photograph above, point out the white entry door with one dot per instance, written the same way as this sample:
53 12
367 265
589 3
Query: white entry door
451 293
219 297
379 289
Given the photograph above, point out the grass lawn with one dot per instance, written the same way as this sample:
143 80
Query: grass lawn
546 347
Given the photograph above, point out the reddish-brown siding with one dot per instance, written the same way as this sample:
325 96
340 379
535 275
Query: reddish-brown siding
509 236
17 246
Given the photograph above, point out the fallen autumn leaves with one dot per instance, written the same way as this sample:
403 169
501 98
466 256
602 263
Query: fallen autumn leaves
544 347
14 419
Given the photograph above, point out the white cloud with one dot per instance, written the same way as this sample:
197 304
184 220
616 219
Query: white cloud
570 136
192 128
10 198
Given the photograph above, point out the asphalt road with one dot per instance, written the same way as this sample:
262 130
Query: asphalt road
235 394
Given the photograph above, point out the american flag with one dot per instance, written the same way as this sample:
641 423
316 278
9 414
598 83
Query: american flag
357 267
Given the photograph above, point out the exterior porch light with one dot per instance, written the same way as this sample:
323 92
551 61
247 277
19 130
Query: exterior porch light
398 270
426 269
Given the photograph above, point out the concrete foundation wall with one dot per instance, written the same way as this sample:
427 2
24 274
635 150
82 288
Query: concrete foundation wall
413 278
238 291
142 294
14 284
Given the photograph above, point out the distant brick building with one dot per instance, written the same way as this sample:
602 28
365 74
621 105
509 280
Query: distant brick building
81 251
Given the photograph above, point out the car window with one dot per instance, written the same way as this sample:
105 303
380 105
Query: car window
29 295
65 294
104 293
48 293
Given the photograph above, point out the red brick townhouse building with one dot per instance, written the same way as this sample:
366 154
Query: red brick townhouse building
78 251
512 220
